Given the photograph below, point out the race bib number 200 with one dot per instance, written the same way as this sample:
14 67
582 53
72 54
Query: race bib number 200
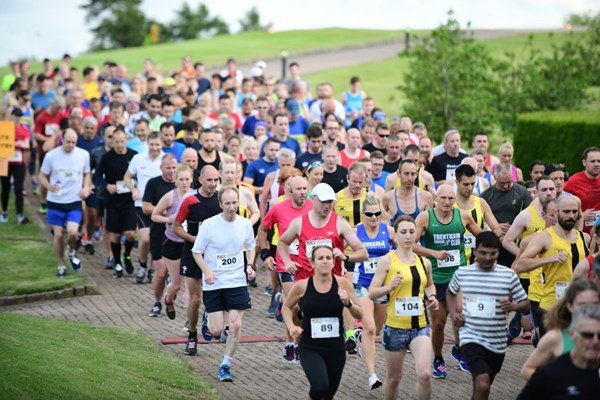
229 261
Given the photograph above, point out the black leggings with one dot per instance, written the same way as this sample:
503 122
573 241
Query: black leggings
323 368
17 171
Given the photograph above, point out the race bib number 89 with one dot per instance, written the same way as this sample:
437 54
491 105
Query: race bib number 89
322 328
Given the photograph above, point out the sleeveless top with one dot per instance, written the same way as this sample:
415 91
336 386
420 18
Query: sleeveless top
345 161
406 308
243 211
537 224
274 191
323 313
568 343
376 247
449 237
215 163
556 276
311 237
172 210
418 183
350 209
353 102
477 214
400 213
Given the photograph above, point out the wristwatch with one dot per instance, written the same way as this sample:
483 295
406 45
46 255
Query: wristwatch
350 304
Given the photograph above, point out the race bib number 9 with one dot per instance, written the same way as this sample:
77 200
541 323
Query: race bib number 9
229 261
408 306
480 306
322 328
452 260
311 244
370 265
469 241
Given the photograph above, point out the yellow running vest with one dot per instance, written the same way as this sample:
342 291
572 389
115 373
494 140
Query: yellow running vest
477 214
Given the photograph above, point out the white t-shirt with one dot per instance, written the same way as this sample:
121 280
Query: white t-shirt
66 169
144 169
222 243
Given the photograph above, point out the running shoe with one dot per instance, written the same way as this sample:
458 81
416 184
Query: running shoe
252 283
75 262
140 275
155 311
460 360
268 290
272 308
224 374
186 327
296 355
358 336
169 308
43 210
150 275
206 335
351 345
118 271
374 382
224 335
191 346
514 326
439 369
289 356
110 263
4 218
89 248
22 220
128 264
61 272
279 303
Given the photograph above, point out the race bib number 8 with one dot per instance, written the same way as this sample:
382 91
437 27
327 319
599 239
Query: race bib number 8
370 265
322 328
408 306
480 306
311 244
229 261
469 241
453 259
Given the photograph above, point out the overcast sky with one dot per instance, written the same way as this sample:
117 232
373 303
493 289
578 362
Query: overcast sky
40 28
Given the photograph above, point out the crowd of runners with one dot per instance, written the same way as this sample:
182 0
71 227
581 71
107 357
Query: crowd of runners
365 227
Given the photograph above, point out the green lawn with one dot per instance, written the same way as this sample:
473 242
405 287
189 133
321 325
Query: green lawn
380 79
49 359
243 46
28 262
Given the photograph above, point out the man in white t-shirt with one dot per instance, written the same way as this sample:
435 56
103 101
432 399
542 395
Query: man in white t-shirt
65 173
143 167
218 251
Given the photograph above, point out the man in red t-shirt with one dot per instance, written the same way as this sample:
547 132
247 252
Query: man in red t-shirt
586 186
47 124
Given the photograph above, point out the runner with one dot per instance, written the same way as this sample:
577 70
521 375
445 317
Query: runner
423 181
378 239
489 292
406 279
218 251
586 186
65 174
322 298
442 229
197 207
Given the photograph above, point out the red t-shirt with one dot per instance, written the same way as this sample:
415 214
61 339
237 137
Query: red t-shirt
236 118
310 237
47 124
283 214
21 134
588 191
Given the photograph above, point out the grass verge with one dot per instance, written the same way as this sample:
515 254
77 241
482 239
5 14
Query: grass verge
49 359
28 262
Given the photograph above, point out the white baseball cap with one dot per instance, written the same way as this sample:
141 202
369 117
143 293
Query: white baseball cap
323 192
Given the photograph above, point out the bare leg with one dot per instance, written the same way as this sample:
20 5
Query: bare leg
59 248
394 362
195 295
421 347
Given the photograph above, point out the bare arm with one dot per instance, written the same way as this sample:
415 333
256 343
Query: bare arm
297 293
544 352
179 231
128 178
514 232
581 270
390 181
359 252
251 205
283 245
489 218
541 243
377 289
346 292
470 223
159 213
269 179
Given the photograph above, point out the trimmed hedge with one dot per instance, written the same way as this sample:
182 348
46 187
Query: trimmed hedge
555 137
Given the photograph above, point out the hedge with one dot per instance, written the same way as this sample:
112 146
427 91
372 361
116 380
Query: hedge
555 137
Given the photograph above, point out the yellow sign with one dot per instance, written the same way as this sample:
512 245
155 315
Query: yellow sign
7 139
3 167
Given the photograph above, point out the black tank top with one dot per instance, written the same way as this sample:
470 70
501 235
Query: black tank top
202 163
326 307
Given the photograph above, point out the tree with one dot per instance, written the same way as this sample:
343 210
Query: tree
116 23
192 25
251 22
451 82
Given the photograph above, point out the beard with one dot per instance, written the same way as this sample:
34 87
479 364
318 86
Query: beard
567 224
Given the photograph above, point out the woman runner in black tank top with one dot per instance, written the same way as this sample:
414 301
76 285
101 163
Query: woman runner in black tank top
322 347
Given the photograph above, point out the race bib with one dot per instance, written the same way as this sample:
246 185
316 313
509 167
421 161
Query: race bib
593 222
67 175
450 171
408 306
480 306
294 247
469 241
50 129
370 265
322 328
561 287
17 157
311 244
453 259
229 261
122 187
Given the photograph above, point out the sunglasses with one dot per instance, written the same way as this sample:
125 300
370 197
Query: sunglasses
314 164
382 136
590 335
372 214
